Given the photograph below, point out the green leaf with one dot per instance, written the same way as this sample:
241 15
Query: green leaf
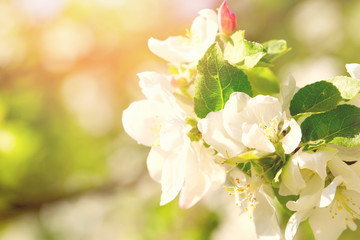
274 49
263 81
348 87
216 80
242 52
339 126
314 98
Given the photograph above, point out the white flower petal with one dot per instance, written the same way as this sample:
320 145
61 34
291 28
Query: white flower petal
266 224
204 28
324 226
355 101
347 154
292 139
284 191
196 183
353 69
352 199
287 91
155 162
182 49
350 178
294 222
170 49
173 174
356 167
142 120
155 86
173 134
262 108
254 137
352 225
315 161
232 114
201 174
291 177
214 134
328 194
309 197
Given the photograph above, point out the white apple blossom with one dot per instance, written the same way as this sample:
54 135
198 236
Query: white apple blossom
257 123
143 119
188 156
174 161
332 209
254 196
339 207
191 48
301 166
188 168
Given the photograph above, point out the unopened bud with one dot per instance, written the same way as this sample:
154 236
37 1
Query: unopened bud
226 19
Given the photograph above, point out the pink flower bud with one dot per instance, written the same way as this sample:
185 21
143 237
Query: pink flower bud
226 19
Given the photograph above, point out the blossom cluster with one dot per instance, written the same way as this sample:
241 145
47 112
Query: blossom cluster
220 118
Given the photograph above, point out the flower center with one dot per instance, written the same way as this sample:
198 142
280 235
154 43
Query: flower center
156 130
270 129
342 202
244 195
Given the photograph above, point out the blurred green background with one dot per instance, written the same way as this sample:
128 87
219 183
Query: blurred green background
68 70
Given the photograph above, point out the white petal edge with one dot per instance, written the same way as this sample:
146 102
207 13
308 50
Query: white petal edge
324 226
155 162
154 86
328 194
173 134
214 134
173 174
266 224
253 137
142 120
292 139
232 114
201 175
291 177
294 222
353 69
316 161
